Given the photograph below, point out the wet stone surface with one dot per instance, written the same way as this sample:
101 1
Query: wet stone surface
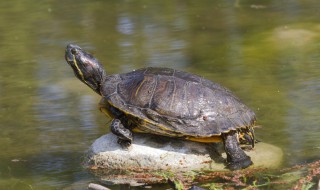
150 153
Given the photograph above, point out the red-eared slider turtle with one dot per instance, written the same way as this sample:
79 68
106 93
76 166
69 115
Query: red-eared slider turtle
168 102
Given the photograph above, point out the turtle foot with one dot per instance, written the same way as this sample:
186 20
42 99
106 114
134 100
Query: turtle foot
241 164
125 144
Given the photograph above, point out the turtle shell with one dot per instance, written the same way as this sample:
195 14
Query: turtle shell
174 103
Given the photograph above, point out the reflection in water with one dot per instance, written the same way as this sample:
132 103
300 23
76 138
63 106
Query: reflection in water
302 118
86 105
125 25
50 106
235 39
63 116
160 48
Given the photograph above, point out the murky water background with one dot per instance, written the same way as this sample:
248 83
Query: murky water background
267 52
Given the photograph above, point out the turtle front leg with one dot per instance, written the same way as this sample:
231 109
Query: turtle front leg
236 157
124 135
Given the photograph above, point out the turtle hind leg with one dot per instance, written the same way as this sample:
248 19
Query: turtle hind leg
124 135
236 157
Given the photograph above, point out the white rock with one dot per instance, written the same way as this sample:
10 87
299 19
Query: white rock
154 153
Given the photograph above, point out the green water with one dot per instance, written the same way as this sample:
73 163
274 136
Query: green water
266 52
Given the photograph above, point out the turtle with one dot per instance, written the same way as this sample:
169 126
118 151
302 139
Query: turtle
168 102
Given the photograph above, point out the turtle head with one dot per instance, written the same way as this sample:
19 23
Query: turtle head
85 67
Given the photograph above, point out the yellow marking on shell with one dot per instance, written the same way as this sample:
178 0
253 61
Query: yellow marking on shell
137 130
140 86
205 139
164 130
106 112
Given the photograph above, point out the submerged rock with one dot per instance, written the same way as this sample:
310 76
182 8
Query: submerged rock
151 153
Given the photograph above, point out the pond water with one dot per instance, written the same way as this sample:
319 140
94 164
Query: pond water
266 52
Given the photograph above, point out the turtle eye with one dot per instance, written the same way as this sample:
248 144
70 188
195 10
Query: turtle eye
74 51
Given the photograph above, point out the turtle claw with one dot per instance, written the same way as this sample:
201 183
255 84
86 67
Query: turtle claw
125 144
241 164
124 135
